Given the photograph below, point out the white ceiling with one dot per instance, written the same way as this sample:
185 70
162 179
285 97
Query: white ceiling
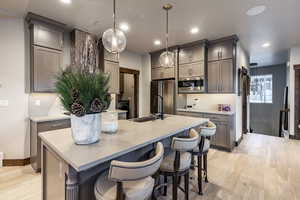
215 18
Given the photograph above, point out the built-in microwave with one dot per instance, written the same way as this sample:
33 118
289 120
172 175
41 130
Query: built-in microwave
191 85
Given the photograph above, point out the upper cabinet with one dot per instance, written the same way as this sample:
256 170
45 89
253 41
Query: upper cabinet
158 72
192 60
221 50
46 52
47 37
109 64
221 67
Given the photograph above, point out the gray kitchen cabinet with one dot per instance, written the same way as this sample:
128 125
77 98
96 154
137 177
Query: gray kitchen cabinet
195 69
224 139
113 70
220 76
48 37
46 64
155 59
191 54
221 50
162 73
35 141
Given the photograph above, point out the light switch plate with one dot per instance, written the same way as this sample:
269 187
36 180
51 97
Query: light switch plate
3 103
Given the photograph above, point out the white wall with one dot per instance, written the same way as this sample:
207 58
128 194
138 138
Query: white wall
294 60
13 119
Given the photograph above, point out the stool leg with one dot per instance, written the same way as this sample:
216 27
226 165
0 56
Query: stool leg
200 175
193 162
205 167
175 187
165 187
186 185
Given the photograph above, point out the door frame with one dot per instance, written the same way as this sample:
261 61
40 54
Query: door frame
136 75
296 104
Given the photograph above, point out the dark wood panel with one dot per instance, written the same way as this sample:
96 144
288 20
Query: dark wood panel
16 162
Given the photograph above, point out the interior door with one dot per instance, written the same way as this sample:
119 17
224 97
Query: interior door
213 76
226 76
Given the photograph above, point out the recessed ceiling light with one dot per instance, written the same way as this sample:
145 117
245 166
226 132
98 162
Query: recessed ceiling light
157 42
66 1
194 30
124 27
265 45
256 10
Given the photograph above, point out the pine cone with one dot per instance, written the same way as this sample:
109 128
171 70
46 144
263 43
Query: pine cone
75 95
78 109
97 106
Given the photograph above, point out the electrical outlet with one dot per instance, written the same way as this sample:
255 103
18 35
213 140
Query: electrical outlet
37 102
3 103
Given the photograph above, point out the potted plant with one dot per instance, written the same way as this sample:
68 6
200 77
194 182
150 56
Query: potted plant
85 95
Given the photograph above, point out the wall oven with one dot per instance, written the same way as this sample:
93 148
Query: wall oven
191 85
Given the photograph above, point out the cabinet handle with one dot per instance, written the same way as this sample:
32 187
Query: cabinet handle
56 125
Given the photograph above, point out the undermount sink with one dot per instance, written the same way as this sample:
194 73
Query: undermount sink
145 119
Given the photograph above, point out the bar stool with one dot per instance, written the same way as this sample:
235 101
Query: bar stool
129 180
202 150
178 163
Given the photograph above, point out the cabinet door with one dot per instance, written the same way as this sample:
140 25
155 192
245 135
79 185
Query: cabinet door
111 56
46 65
48 37
213 76
226 74
156 73
214 51
191 54
168 72
112 68
155 60
191 70
227 49
222 135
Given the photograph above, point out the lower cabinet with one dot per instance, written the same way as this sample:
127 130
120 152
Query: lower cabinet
224 139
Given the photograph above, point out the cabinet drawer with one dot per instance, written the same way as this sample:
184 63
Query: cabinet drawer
220 118
53 125
191 70
191 54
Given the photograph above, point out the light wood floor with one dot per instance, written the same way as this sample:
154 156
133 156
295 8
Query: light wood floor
261 168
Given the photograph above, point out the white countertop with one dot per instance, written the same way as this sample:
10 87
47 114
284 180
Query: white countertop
60 117
205 111
130 136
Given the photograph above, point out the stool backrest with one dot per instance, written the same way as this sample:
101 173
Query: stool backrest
129 171
186 144
208 130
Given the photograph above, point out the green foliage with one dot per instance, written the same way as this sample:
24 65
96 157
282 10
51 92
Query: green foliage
90 86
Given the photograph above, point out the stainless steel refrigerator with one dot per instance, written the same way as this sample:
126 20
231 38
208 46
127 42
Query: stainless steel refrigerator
166 89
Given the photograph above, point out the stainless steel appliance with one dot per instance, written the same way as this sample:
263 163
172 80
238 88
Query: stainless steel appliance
191 85
166 89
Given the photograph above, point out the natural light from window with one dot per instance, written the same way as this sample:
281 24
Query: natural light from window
261 89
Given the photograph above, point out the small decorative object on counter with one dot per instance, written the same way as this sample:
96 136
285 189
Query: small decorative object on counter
224 107
110 121
85 95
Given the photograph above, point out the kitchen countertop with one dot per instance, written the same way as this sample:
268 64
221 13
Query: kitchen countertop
130 136
59 117
205 111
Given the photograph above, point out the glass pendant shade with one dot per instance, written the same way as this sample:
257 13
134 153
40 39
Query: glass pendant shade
114 41
166 59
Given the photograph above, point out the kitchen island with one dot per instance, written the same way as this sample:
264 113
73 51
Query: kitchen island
69 171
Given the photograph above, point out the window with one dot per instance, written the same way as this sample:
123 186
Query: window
261 89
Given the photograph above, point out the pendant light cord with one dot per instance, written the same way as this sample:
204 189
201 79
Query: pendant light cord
114 14
167 31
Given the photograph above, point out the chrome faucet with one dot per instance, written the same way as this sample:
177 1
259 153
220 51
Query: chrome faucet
161 115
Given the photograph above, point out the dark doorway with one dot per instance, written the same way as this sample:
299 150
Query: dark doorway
267 98
129 92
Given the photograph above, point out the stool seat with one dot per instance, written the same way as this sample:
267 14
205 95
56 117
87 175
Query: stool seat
167 164
106 189
205 147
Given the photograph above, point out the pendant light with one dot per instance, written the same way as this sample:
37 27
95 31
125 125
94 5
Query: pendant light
166 59
113 39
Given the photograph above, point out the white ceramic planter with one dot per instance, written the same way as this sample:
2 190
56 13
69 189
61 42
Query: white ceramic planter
86 129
